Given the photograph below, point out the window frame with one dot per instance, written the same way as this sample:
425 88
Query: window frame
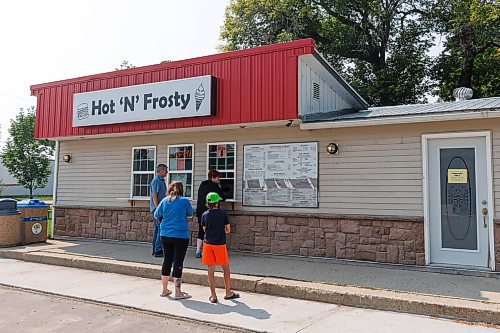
132 172
182 171
227 170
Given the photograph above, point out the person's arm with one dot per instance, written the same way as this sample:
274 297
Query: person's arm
203 223
227 226
158 213
154 195
154 192
189 209
220 192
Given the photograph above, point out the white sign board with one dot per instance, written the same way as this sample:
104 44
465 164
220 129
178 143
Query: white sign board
281 175
191 97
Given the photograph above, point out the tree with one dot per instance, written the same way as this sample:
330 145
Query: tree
379 45
125 65
26 158
471 56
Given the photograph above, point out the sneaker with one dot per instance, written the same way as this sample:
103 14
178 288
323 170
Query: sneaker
158 254
198 255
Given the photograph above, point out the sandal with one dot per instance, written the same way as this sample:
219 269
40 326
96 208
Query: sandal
232 296
165 295
182 296
213 299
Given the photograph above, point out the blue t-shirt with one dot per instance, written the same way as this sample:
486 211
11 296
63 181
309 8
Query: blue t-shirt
173 215
159 187
215 221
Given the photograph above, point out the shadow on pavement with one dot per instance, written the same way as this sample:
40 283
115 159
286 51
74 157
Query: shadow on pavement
220 308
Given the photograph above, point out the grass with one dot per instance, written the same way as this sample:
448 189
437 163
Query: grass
41 198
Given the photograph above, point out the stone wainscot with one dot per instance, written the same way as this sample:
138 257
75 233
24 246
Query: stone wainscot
374 238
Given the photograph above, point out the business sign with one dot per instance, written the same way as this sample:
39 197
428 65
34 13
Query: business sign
191 97
281 175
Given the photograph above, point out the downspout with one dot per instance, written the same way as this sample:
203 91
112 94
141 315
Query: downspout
54 190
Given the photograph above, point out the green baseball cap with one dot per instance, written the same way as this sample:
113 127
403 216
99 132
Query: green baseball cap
212 198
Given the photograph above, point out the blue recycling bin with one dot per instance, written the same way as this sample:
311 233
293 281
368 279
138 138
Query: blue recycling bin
34 217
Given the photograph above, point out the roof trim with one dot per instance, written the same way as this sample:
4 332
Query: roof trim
486 114
308 44
275 123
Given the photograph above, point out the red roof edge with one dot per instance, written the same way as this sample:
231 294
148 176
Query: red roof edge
308 44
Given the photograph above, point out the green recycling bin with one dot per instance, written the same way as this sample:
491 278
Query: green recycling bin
10 225
33 220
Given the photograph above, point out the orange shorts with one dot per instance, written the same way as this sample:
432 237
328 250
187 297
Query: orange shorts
214 255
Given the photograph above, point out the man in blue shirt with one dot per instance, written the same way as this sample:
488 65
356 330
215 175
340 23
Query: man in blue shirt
158 190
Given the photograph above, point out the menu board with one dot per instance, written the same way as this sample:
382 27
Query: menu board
281 175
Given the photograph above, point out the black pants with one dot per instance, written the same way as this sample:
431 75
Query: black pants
201 232
174 252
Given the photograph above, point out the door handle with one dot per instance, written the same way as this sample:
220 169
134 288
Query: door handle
485 212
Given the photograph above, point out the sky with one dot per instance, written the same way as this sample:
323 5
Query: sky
44 41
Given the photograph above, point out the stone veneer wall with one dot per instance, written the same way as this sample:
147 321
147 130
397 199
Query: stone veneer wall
382 239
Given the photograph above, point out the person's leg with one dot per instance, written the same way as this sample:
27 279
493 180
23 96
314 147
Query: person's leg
157 245
211 282
168 258
180 249
223 260
201 236
227 279
156 231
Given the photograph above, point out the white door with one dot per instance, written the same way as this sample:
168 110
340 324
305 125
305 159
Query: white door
457 176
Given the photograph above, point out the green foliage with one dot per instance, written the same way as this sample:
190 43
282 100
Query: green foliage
24 157
124 65
379 46
471 56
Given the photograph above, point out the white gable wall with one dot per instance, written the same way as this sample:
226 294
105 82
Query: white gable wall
333 96
329 100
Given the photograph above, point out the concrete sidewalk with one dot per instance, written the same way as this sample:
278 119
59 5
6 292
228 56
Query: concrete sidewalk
250 313
467 295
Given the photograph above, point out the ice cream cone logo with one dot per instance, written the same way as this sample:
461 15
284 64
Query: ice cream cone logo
83 111
199 96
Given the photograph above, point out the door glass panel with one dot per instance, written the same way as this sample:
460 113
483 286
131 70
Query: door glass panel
458 198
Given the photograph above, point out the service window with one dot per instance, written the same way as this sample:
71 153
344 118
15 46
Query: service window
180 167
143 171
222 157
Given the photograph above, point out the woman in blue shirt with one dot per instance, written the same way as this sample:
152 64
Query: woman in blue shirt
172 213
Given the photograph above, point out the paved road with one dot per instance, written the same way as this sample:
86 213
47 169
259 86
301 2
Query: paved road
26 311
251 311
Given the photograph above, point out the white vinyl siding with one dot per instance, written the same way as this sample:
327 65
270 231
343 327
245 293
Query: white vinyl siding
378 170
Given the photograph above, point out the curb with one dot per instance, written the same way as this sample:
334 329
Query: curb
378 299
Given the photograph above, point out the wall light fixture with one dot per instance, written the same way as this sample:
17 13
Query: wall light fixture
332 148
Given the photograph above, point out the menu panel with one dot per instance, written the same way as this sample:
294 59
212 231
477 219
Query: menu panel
281 175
